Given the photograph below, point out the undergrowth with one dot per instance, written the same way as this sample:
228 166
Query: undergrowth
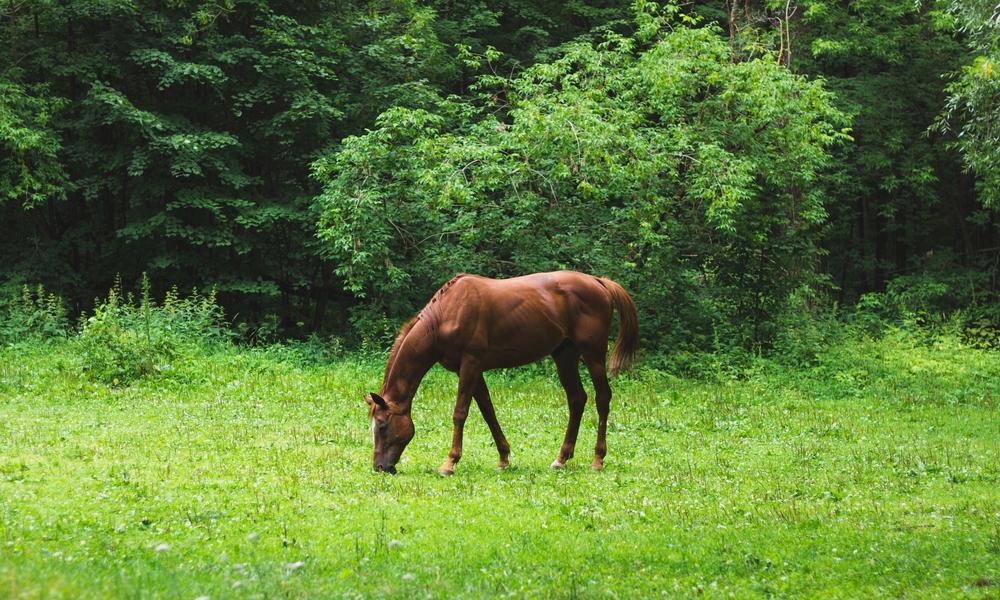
32 314
126 339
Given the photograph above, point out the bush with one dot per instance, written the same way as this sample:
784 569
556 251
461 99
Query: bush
32 315
947 298
124 341
312 351
806 329
693 179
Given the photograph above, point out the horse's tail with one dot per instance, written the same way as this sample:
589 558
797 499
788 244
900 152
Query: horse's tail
628 327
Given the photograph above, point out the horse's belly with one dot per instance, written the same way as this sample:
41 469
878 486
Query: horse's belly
498 358
505 358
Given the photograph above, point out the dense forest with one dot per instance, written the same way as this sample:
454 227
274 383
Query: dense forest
746 168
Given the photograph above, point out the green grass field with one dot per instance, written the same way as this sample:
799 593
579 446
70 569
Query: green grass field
248 474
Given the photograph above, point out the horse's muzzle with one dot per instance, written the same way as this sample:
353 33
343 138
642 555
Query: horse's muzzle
390 469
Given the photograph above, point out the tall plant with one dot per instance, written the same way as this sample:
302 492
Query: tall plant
657 160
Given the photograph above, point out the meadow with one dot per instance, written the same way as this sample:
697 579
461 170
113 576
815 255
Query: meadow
246 473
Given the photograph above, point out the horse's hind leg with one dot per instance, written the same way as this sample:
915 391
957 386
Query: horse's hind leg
567 359
602 398
482 396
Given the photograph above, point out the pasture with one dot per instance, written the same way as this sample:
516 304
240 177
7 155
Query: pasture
247 473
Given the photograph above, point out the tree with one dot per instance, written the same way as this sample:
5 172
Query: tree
175 138
689 177
972 111
30 171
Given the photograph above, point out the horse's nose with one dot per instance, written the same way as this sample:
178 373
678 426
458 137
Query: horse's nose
390 469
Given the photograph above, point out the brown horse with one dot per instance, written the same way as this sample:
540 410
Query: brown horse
474 324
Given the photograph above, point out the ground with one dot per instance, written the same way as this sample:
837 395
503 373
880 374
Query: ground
248 474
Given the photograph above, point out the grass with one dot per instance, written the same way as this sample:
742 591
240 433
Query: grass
248 474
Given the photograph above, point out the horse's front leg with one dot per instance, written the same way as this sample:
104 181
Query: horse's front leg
482 396
469 375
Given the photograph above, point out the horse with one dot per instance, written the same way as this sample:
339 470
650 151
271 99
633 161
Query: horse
473 324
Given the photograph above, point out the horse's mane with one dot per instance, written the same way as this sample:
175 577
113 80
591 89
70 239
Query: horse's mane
405 329
441 290
427 313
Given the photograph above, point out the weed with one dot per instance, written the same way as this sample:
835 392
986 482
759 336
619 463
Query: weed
32 315
124 340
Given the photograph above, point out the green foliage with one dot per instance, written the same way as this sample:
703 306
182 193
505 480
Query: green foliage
907 364
896 185
180 134
692 179
940 302
125 340
973 107
932 304
807 328
313 351
30 171
932 298
897 192
176 139
31 316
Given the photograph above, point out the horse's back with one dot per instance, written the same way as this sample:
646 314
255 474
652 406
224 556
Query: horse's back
507 322
557 295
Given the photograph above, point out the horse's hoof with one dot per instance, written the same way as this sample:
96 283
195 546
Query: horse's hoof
597 465
446 472
557 465
503 464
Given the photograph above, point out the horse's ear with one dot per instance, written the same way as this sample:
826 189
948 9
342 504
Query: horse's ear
377 400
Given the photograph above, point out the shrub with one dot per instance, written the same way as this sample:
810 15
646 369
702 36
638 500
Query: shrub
312 351
692 178
947 298
32 315
806 328
981 327
124 341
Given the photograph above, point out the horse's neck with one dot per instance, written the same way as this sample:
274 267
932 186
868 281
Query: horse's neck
414 358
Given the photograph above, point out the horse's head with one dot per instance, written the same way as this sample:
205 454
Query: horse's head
391 432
